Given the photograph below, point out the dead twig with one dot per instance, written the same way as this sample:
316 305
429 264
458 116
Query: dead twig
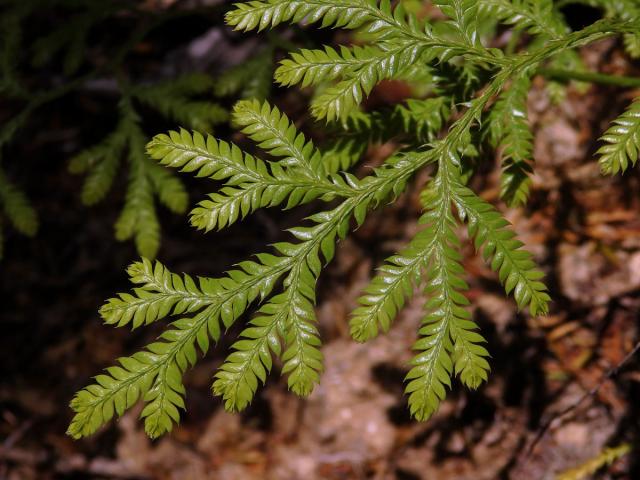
591 393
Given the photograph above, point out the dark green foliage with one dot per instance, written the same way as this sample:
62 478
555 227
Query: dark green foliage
475 91
147 180
15 210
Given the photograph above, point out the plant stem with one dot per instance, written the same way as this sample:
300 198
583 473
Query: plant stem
591 77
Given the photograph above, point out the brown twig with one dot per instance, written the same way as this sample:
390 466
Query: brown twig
591 393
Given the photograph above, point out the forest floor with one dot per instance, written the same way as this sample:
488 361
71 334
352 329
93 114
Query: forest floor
555 399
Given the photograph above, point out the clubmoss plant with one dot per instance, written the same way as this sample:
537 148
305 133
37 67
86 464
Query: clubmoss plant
478 93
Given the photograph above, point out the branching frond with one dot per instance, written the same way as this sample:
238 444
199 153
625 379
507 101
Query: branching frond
155 374
250 182
282 284
447 338
138 219
622 146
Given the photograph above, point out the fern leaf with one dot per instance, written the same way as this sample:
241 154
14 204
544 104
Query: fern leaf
391 287
622 139
250 183
464 18
514 265
348 14
237 379
172 99
432 367
250 79
17 208
274 133
508 127
155 374
161 293
138 218
169 189
535 16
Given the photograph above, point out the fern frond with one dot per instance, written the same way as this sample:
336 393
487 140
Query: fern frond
515 267
622 139
508 127
155 374
348 14
250 183
172 99
432 367
17 208
168 188
250 79
237 379
538 17
101 163
387 293
464 18
276 134
161 293
288 317
138 219
373 65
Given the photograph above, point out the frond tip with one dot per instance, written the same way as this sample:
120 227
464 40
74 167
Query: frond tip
622 146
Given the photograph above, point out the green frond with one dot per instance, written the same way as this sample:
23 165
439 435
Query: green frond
432 366
622 139
538 17
464 18
461 74
508 127
138 219
173 100
276 134
250 182
155 373
390 288
347 14
17 208
168 188
372 66
206 157
161 293
236 381
101 163
492 234
250 79
146 180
